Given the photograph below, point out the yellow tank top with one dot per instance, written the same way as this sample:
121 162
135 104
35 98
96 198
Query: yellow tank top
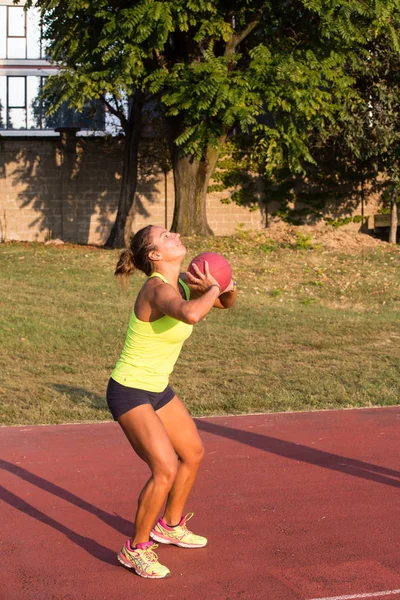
151 350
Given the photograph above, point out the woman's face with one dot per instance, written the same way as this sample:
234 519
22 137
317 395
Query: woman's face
168 245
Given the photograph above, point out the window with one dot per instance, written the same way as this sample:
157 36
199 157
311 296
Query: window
22 108
22 64
20 33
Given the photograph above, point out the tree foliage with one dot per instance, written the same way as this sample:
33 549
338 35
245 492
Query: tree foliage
276 70
361 148
336 160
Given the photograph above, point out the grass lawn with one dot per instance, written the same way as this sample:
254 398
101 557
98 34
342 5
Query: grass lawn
312 329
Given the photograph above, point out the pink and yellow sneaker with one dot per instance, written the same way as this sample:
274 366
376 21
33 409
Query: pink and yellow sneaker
179 535
143 560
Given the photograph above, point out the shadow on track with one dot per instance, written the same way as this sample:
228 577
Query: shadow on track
114 521
313 456
91 546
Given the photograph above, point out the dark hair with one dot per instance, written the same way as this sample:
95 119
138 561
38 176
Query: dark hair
137 255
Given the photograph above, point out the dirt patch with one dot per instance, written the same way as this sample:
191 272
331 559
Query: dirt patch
326 236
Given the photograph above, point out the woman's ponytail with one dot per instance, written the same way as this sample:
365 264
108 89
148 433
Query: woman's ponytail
126 264
136 256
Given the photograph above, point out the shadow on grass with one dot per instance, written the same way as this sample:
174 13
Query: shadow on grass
80 395
313 456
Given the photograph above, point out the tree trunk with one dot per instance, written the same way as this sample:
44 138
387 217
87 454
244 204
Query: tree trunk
122 228
191 179
393 218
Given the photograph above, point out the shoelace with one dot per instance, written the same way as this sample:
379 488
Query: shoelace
187 518
150 555
183 526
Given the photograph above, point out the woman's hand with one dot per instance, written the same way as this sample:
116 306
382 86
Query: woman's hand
202 282
228 297
231 287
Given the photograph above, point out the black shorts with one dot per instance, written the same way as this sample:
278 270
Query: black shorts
121 398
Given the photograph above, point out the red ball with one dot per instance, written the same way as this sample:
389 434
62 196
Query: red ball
218 267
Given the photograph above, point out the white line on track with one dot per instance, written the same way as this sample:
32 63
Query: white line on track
355 596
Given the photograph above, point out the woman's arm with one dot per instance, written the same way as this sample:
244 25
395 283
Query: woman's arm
168 301
224 300
228 298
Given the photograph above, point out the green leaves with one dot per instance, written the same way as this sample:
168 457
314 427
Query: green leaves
355 21
275 70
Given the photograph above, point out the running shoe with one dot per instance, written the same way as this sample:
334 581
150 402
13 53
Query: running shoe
143 560
179 535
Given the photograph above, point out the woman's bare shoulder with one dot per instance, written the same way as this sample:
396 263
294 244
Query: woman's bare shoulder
145 308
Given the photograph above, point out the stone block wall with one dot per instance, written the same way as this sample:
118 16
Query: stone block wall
67 187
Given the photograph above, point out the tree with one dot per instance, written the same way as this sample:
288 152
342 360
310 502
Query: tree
383 90
363 143
357 151
127 106
278 72
276 69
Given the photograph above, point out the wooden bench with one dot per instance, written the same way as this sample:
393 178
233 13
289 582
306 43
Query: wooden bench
380 221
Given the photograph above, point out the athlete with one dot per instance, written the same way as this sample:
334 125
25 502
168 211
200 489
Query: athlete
156 423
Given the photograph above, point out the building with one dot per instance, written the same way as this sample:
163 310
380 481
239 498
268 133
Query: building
24 69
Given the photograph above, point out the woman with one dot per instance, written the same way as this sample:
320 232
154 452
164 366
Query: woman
156 423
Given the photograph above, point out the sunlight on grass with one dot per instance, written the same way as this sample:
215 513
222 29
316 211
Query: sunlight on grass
312 329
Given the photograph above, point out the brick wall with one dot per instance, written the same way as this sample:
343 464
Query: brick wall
67 188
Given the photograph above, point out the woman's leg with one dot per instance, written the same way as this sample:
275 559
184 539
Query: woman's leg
187 444
148 438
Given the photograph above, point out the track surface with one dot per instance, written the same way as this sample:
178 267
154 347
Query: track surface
296 506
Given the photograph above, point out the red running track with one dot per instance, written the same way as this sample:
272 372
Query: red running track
296 506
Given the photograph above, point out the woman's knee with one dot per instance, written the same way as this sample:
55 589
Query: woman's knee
165 473
200 454
194 455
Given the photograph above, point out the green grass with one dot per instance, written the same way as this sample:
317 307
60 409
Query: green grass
312 329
